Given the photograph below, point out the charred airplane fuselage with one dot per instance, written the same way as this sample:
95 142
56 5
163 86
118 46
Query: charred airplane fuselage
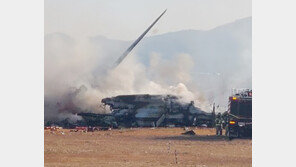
155 110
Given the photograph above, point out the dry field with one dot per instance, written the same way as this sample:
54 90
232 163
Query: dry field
145 147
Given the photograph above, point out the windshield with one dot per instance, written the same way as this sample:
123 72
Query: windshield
241 108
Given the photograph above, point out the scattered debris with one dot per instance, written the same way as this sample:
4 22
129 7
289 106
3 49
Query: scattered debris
90 129
169 147
52 128
171 126
204 125
81 128
191 132
73 130
105 128
176 159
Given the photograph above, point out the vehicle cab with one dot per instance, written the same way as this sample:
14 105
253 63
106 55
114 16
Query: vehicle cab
239 114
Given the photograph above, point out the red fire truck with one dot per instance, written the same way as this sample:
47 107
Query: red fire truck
238 118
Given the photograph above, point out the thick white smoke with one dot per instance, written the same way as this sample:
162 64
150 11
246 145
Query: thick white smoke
77 77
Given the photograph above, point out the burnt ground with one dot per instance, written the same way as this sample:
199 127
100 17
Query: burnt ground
145 147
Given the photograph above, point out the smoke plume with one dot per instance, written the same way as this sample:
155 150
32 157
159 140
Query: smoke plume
77 77
203 70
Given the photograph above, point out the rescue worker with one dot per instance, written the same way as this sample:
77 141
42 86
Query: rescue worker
218 122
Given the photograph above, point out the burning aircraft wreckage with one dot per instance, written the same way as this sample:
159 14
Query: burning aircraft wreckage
145 110
148 110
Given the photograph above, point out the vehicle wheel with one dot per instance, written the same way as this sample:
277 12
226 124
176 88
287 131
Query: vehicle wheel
228 135
239 135
226 131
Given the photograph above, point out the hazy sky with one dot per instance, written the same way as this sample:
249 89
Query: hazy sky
127 19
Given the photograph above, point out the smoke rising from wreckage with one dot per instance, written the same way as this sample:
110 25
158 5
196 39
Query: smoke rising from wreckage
76 102
147 110
136 110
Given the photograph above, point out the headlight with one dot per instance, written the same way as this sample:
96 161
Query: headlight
241 123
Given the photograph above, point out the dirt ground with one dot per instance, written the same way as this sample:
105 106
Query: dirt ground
145 147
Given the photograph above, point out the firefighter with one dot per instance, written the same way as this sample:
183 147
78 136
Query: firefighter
218 122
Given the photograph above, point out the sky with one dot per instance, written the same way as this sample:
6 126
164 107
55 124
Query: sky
127 19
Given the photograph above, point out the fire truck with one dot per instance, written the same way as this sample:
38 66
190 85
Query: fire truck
237 120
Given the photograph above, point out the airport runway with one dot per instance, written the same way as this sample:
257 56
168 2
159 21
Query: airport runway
145 147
